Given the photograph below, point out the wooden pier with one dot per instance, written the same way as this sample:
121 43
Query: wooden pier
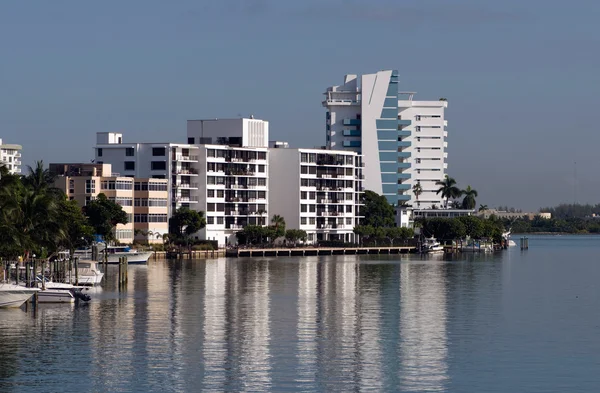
289 252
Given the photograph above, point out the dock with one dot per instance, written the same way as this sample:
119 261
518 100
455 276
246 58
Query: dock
315 251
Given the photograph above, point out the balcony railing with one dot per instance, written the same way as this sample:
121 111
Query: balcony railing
186 185
185 199
181 157
190 171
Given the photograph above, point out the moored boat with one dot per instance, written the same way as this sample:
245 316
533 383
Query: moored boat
431 246
12 295
116 252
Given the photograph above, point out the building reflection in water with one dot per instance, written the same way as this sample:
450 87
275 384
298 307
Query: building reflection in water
215 329
307 325
369 325
254 337
423 346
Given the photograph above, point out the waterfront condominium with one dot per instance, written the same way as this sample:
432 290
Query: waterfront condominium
143 199
222 171
317 191
403 141
178 163
10 157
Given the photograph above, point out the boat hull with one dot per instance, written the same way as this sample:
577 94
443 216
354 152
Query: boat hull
132 257
55 296
12 296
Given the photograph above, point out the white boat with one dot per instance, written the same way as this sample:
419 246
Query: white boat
88 273
431 246
116 252
12 295
55 292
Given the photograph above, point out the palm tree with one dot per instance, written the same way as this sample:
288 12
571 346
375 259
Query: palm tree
448 189
417 190
469 199
40 179
483 208
278 221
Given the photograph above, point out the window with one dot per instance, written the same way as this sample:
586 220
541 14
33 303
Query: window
303 208
303 157
99 152
220 193
159 151
191 141
129 152
220 220
210 220
303 195
90 186
312 220
262 181
261 168
210 153
158 165
348 221
122 201
302 220
71 186
210 193
130 165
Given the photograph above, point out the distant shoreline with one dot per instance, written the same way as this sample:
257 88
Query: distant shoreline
555 233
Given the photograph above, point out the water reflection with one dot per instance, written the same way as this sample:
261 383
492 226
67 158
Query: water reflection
314 324
424 344
307 326
215 349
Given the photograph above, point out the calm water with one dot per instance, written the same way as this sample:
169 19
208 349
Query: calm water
510 322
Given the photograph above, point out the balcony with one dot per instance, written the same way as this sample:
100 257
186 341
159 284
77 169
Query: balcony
404 154
404 198
404 165
404 176
185 199
181 157
233 226
404 187
404 122
187 186
339 101
404 133
239 173
186 172
352 122
404 144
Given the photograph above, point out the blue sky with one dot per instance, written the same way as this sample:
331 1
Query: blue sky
521 77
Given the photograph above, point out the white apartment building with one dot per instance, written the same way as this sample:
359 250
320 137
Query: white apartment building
317 191
368 115
223 171
234 190
10 156
428 148
175 162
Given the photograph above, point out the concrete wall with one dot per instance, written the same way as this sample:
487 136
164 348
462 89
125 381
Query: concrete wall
284 175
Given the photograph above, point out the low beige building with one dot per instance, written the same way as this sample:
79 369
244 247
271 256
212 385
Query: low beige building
144 200
504 214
